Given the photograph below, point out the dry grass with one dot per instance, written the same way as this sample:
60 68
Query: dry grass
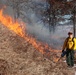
17 57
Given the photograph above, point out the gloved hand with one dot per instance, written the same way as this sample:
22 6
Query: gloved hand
63 53
62 50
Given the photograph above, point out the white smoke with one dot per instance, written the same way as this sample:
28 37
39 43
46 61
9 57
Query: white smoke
35 26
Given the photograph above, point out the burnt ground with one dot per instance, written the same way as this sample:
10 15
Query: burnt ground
18 57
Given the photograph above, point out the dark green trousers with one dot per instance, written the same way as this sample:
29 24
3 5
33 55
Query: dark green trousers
70 57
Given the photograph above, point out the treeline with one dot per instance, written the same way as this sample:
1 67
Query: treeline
60 8
54 9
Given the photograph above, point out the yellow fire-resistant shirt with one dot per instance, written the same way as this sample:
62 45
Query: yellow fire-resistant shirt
70 43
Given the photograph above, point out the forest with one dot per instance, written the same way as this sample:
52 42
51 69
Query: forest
52 11
51 17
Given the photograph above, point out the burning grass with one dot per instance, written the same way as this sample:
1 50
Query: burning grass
18 29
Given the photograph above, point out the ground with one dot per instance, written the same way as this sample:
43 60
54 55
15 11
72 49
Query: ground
18 57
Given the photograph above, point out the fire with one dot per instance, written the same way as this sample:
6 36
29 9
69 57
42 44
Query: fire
16 27
56 59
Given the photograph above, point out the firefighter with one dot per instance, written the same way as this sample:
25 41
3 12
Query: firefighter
69 46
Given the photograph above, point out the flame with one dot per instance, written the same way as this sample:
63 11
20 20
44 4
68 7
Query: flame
56 59
16 27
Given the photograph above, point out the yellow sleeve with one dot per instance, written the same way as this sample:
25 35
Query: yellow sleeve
74 44
64 45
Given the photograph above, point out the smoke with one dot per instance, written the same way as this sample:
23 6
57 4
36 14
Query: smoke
36 27
32 16
40 31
